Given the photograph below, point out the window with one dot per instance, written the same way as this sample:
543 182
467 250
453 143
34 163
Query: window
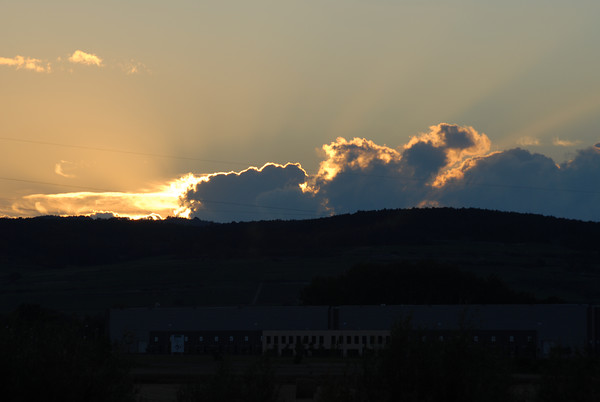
290 339
387 339
276 339
156 339
372 339
216 339
364 340
246 338
380 339
305 339
321 339
442 338
356 339
283 339
530 339
185 339
314 339
201 339
493 339
341 339
348 339
298 339
511 338
333 340
475 339
231 339
268 340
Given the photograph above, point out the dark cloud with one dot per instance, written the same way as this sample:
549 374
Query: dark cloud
517 180
271 192
361 175
422 160
449 165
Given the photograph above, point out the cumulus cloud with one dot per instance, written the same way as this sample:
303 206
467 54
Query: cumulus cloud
89 59
359 174
449 165
271 192
26 63
442 150
521 181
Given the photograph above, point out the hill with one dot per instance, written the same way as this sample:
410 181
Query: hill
102 263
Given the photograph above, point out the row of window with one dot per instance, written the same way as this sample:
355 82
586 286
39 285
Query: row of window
511 339
349 340
216 339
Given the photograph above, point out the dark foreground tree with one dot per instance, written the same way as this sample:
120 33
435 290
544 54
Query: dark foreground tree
417 369
570 378
45 356
256 384
422 282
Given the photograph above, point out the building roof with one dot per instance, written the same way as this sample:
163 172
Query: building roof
251 318
563 323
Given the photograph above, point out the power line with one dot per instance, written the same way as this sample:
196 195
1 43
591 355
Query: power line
294 211
121 151
58 184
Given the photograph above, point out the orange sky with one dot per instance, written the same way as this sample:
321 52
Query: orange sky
126 97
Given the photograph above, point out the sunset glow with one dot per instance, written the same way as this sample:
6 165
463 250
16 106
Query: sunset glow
139 108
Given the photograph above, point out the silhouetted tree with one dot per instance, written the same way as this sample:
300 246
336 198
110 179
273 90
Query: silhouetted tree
423 282
414 369
570 378
256 384
45 356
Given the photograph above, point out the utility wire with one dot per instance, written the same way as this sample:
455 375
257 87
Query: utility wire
121 151
297 211
58 184
112 150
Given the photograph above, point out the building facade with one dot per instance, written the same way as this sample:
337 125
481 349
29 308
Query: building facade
518 330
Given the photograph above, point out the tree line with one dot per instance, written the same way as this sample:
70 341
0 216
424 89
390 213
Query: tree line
58 242
422 282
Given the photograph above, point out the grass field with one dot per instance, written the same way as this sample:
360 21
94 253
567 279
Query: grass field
542 269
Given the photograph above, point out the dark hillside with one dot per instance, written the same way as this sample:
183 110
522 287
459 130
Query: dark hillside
85 265
57 242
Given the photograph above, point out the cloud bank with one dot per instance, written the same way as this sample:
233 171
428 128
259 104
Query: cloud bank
449 165
271 192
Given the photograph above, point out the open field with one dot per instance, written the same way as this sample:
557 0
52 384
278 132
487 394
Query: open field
542 269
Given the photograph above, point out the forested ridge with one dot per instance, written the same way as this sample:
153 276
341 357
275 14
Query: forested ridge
57 241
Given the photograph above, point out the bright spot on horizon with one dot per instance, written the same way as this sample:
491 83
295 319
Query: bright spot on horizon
130 97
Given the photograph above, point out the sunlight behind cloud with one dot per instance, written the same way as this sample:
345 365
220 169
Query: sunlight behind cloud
132 205
450 165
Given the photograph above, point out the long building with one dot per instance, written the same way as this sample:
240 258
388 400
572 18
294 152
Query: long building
520 330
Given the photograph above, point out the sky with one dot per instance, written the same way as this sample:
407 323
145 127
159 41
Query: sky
246 110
